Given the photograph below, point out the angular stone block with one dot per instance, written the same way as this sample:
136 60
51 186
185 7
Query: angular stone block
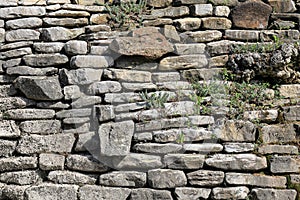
68 177
206 178
48 161
166 178
124 179
89 192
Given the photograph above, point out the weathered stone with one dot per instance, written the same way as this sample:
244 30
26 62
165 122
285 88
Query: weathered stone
60 33
170 12
88 192
282 6
202 10
61 143
83 139
75 47
275 194
236 131
99 19
8 103
203 148
170 33
278 133
29 113
66 22
123 179
11 62
262 115
20 177
14 192
202 36
184 161
219 23
184 193
76 120
86 101
187 24
165 76
147 42
32 2
219 47
22 11
48 191
183 62
90 2
166 178
206 178
2 34
80 76
77 128
158 148
83 112
159 3
146 193
7 148
249 162
256 180
100 50
242 35
251 15
290 91
238 147
67 177
9 3
116 138
199 120
91 61
48 47
104 112
146 136
222 11
93 8
84 163
6 79
40 86
295 178
15 53
284 164
278 149
9 129
31 22
41 127
230 193
53 105
18 163
138 86
187 49
72 92
48 161
128 75
102 87
22 35
30 71
44 60
140 162
69 13
291 113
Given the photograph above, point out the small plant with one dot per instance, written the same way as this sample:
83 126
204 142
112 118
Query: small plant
180 139
154 100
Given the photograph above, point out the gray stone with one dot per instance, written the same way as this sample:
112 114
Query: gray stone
200 120
20 177
183 62
100 50
6 79
158 148
166 178
256 180
15 192
82 112
295 178
146 136
123 179
89 192
78 128
7 147
85 101
230 193
187 24
69 13
157 22
291 113
187 49
165 76
219 47
30 71
116 138
43 127
53 105
138 86
140 162
9 129
60 33
49 161
275 194
21 35
18 163
184 161
184 193
242 35
97 28
219 23
147 42
45 60
146 193
48 47
178 85
278 149
22 11
83 139
15 45
80 76
8 103
102 87
249 162
58 2
278 133
170 12
284 164
29 113
202 10
31 22
262 115
201 74
159 3
206 178
76 120
128 75
66 22
290 91
32 2
222 11
104 112
12 62
75 47
40 86
2 34
91 61
72 92
15 53
84 163
48 191
170 33
238 147
2 23
281 6
9 3
203 148
60 143
67 177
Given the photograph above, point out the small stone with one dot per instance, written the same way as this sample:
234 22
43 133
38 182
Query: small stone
85 101
48 47
48 161
67 177
262 115
99 19
60 33
284 164
222 11
166 178
91 61
88 192
203 148
282 6
275 194
123 179
182 62
242 35
43 127
29 113
158 148
20 177
9 129
230 193
31 22
7 91
104 112
202 10
184 193
18 163
75 47
84 163
278 133
206 178
278 149
44 60
72 92
82 76
7 147
184 161
290 91
22 35
238 147
83 140
30 71
15 53
146 193
218 23
291 113
102 87
219 47
8 103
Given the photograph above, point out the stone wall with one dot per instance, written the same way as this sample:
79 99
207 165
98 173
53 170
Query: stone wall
93 113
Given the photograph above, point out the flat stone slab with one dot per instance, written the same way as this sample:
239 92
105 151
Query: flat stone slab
124 179
88 192
206 178
166 178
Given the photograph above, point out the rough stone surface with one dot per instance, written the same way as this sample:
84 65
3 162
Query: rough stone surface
284 164
98 192
184 161
48 161
91 61
29 113
230 193
291 113
7 148
67 177
278 133
20 177
104 87
41 126
183 62
205 178
238 147
279 149
80 76
22 11
18 163
183 193
84 163
166 178
124 179
187 24
203 148
44 60
31 22
218 23
48 47
146 193
9 129
75 47
22 35
202 10
30 71
60 33
275 194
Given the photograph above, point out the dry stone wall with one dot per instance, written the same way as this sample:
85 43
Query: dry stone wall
89 112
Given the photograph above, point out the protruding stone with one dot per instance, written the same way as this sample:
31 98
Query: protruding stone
88 192
60 33
166 178
68 177
206 178
75 47
37 88
187 24
80 76
251 15
124 179
202 10
49 161
43 127
184 161
274 194
184 193
230 193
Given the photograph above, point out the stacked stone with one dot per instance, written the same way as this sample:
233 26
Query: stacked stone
74 123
